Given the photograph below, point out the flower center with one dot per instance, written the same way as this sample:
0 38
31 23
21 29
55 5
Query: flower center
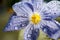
35 18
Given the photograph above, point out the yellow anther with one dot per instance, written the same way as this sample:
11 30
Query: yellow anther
35 18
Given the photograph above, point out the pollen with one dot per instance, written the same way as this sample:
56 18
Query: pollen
35 18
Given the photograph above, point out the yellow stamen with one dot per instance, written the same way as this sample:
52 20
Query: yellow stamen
35 18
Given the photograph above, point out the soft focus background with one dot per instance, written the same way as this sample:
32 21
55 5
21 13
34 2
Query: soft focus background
5 12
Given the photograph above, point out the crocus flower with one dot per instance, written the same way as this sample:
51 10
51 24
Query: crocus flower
35 15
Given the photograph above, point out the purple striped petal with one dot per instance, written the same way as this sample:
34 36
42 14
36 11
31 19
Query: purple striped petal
31 33
16 23
22 8
52 29
52 9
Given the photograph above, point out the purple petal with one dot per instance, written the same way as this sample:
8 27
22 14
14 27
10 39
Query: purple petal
31 33
52 29
21 8
16 23
52 9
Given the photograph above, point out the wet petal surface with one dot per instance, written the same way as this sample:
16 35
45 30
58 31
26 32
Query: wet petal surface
51 28
31 33
16 23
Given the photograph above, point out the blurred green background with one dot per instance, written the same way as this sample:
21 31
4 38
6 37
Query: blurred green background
5 12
